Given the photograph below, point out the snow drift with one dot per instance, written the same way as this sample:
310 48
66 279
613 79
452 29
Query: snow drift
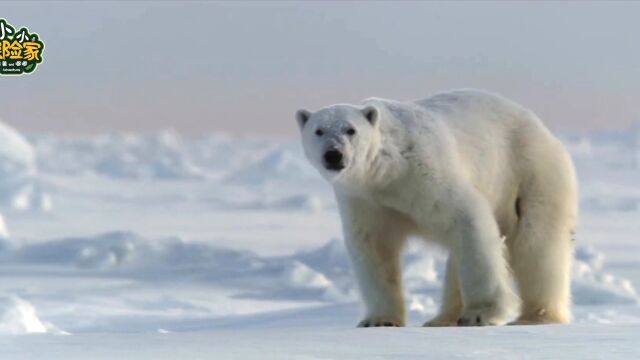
319 276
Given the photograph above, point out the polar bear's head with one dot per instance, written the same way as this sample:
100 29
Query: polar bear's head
338 140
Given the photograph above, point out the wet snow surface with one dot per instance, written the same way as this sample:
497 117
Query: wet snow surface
159 246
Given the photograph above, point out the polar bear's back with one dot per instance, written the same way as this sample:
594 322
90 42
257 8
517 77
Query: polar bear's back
499 142
486 122
493 137
466 112
470 107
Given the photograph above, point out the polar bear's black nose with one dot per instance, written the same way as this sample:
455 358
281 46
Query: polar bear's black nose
333 160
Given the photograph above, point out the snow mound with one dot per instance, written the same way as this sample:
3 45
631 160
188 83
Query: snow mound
164 155
16 154
299 275
4 230
285 163
220 155
623 203
423 276
160 155
296 202
18 316
593 286
19 187
300 202
171 259
421 272
613 149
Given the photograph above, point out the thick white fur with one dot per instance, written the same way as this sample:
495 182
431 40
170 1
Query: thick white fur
470 170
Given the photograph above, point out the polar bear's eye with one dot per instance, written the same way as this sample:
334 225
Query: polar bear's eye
350 131
319 132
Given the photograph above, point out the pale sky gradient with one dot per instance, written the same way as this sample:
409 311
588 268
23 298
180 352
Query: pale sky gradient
246 67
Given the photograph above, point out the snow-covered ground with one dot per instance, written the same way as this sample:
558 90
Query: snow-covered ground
160 246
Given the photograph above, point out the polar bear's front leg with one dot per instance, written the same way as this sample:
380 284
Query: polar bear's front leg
483 272
376 265
374 242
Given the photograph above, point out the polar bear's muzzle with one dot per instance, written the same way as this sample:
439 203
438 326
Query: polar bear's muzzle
333 159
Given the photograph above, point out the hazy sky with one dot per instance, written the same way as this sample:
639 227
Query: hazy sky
246 67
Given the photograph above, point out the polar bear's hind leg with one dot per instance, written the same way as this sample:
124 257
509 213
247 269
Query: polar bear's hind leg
541 252
451 307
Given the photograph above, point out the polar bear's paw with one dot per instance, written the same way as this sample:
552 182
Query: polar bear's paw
381 321
474 320
442 320
541 316
484 316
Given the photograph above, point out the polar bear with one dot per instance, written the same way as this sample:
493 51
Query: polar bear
470 170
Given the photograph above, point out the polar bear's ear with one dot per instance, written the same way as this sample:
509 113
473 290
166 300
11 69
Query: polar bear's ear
302 116
372 114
